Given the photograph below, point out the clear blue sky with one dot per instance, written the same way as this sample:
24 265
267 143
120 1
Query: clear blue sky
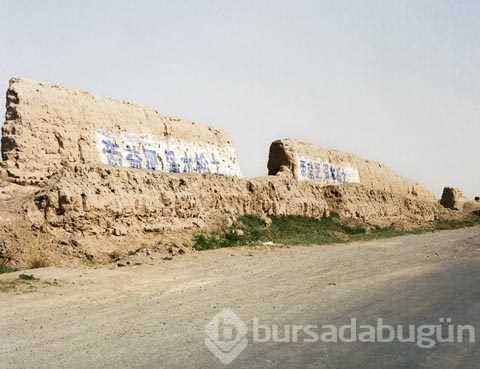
396 81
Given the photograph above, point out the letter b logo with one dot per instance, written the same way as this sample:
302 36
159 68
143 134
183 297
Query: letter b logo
226 336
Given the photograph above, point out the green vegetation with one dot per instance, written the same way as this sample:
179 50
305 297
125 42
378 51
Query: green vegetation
25 283
27 277
469 221
6 269
300 230
34 263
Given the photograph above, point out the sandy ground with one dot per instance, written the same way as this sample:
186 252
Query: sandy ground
154 316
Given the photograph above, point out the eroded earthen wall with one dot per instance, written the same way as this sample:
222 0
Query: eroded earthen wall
73 188
86 212
48 127
310 163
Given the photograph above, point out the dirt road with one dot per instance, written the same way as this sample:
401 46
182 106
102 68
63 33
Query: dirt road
154 316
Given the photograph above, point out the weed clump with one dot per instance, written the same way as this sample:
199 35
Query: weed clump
4 268
301 230
38 262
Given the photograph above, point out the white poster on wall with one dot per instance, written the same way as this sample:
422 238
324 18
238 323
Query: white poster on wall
171 155
326 172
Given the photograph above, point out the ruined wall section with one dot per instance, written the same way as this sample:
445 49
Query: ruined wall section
307 162
73 188
453 198
97 203
86 212
48 127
